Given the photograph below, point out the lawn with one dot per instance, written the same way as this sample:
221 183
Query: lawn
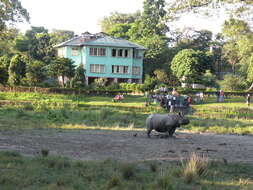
29 111
33 110
58 173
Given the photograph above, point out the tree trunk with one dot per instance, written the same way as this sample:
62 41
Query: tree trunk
250 88
63 80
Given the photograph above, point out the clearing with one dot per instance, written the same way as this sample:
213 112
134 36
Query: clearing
99 145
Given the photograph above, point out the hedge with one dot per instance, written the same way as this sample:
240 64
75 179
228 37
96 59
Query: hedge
64 90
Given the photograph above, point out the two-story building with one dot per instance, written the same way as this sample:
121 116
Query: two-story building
116 59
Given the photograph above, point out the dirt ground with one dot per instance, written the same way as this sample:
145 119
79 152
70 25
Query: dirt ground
128 145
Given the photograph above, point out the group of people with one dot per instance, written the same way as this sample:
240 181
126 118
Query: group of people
220 95
169 101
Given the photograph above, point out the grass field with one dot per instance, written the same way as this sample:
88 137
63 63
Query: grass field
33 110
57 173
28 111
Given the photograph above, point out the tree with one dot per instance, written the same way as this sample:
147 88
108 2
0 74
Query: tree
7 41
11 11
36 44
190 64
35 73
161 76
155 55
79 77
107 23
61 67
4 65
17 70
149 83
233 82
59 36
120 30
177 8
238 46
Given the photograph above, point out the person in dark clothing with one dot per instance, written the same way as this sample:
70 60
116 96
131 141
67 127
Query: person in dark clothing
218 95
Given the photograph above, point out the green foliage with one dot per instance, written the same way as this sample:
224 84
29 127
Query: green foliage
233 82
61 66
35 73
79 77
149 83
109 22
12 11
128 171
100 82
17 70
250 70
4 65
60 173
155 54
190 64
209 79
161 76
120 30
132 87
59 36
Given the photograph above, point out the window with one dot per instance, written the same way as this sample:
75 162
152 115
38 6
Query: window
126 53
97 68
114 52
74 51
97 51
119 69
136 70
136 54
120 53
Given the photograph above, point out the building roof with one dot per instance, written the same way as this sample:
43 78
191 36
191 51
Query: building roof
100 39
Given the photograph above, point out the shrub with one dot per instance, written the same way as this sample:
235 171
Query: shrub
114 181
44 152
153 166
128 171
195 167
164 182
233 82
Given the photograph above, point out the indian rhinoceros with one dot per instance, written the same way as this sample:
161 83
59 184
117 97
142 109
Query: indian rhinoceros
165 123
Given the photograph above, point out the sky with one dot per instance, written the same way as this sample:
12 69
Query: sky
84 15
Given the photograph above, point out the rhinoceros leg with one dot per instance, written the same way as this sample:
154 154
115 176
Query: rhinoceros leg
149 125
148 132
172 131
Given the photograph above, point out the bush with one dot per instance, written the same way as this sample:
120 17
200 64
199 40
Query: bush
233 82
128 171
195 167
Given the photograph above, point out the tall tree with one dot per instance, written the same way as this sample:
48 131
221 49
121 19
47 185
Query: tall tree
108 22
36 43
4 65
61 67
11 11
239 39
35 73
189 65
59 36
79 77
17 70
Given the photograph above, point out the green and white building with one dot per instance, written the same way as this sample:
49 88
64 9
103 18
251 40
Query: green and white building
116 59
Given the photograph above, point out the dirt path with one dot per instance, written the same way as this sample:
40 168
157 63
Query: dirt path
128 145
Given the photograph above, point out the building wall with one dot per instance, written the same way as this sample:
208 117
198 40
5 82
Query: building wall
108 61
79 58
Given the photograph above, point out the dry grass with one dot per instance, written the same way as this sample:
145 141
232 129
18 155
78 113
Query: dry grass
195 167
